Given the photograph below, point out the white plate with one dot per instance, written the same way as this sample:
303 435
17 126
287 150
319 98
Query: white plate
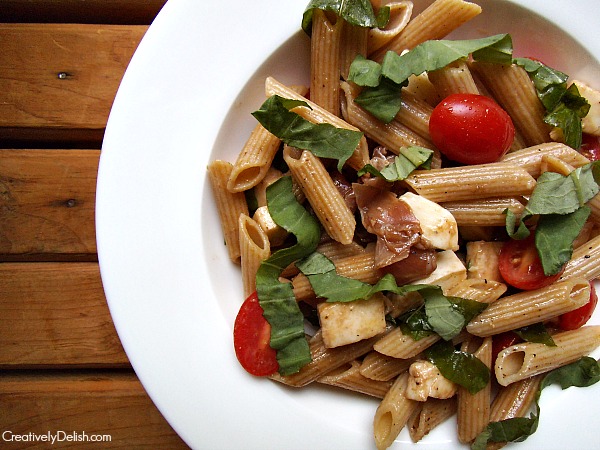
173 295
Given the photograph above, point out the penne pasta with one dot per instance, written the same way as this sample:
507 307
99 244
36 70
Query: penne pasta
254 249
522 361
400 14
353 42
379 367
393 413
530 158
396 344
530 307
431 413
585 261
349 377
230 206
487 212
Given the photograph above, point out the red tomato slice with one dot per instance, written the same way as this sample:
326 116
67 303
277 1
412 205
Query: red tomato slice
471 129
502 341
590 147
521 267
251 337
579 317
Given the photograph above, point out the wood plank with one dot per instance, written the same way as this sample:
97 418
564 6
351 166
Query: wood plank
131 12
47 200
56 315
112 404
61 76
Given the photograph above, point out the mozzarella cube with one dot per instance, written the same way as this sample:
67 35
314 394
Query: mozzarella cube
591 122
438 225
450 271
347 323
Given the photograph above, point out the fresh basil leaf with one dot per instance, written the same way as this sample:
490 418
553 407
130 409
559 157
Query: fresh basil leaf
537 333
322 139
277 299
414 324
408 159
554 236
449 315
519 232
581 373
565 107
462 368
365 72
384 82
355 12
382 101
436 54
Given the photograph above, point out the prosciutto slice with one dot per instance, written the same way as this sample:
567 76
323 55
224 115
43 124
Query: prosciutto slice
390 219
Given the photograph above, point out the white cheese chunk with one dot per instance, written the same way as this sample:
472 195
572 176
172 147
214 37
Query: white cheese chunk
425 380
347 323
450 270
438 225
591 122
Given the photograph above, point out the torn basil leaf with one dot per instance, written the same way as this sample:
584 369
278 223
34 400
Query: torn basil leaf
395 69
355 12
581 373
322 139
462 368
537 333
408 160
277 299
449 315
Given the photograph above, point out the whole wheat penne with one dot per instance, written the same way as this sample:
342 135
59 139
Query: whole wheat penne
512 401
525 360
400 14
594 205
473 410
530 307
432 412
254 160
393 135
488 212
530 158
324 360
327 202
471 183
422 88
274 233
415 113
379 367
325 61
515 92
553 164
393 413
455 78
360 266
435 22
229 206
316 114
349 377
353 42
399 345
254 249
585 261
482 290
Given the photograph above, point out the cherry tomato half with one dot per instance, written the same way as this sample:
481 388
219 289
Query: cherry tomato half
521 267
590 147
471 129
251 337
579 317
502 341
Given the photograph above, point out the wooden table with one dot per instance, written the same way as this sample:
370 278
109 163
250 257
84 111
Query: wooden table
62 367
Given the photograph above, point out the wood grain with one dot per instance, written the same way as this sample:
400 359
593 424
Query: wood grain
61 76
131 12
56 315
47 200
103 403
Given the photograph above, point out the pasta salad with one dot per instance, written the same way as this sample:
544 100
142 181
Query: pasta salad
420 224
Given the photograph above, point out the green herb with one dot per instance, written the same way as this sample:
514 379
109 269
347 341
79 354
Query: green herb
462 368
565 107
560 202
322 139
447 316
582 373
383 82
537 333
408 159
415 324
355 12
277 299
